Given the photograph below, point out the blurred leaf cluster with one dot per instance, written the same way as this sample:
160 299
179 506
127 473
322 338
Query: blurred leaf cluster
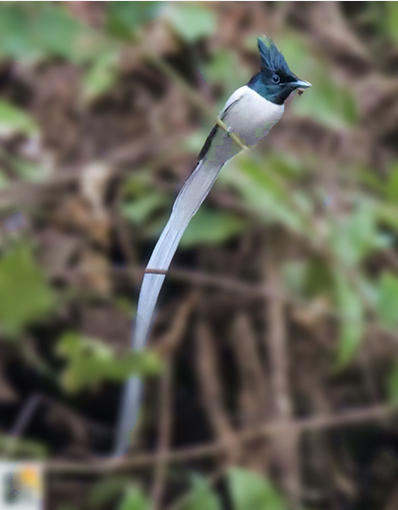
246 490
90 362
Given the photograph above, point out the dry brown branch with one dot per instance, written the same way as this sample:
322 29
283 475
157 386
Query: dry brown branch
167 348
230 284
212 397
300 426
253 391
286 448
170 341
165 428
254 385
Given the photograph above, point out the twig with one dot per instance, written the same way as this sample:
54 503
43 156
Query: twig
167 348
253 388
303 425
286 454
170 341
210 386
227 283
253 381
165 427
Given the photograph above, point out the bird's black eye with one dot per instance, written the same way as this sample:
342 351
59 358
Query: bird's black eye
276 78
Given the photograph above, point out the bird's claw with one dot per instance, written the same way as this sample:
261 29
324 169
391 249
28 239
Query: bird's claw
228 132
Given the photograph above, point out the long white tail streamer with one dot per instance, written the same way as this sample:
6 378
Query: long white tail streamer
186 205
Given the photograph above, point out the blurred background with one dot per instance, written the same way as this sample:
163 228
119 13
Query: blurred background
271 374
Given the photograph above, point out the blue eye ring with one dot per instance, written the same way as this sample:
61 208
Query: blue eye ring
276 78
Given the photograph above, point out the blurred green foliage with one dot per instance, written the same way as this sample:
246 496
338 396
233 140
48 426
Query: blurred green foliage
201 495
89 362
17 447
25 295
351 309
32 31
247 491
123 18
211 227
387 300
250 490
270 187
134 499
14 120
190 20
274 188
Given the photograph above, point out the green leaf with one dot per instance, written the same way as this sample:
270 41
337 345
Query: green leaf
134 499
327 102
89 362
356 236
391 19
249 491
23 447
24 293
194 141
295 275
319 279
211 227
16 34
372 180
225 69
352 320
201 496
14 120
392 384
387 303
392 184
106 490
388 214
124 17
285 165
141 208
190 20
4 181
260 190
100 76
29 31
56 31
296 52
28 170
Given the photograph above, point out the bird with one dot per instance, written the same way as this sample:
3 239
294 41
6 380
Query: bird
250 113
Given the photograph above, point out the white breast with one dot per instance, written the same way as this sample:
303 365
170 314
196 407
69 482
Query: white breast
252 117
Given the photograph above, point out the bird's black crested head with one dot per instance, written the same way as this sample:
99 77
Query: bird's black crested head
275 81
271 58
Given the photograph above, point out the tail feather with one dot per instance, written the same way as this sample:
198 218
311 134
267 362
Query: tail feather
186 205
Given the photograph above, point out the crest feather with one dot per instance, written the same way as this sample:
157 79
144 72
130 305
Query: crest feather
271 58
